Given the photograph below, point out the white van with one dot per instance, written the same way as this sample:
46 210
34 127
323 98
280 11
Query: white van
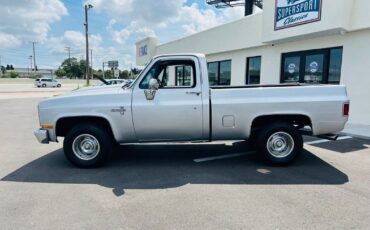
47 82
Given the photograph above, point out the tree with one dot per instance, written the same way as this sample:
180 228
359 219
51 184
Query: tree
73 68
60 72
3 70
124 74
108 74
135 71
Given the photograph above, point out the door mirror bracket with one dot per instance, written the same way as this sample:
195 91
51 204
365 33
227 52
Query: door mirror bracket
153 87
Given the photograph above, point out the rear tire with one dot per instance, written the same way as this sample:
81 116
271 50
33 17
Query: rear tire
279 144
59 85
87 145
43 85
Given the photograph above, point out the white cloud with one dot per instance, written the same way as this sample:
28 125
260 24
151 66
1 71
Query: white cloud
143 17
9 41
29 20
147 11
76 40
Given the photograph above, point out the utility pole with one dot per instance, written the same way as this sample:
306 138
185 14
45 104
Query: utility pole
103 70
30 57
92 74
87 7
68 49
34 56
1 69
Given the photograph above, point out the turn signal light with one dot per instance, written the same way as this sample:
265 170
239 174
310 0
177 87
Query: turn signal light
346 109
47 126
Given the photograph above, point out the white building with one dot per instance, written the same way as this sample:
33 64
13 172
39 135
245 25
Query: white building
307 41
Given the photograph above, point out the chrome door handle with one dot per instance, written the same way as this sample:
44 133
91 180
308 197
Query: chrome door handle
197 93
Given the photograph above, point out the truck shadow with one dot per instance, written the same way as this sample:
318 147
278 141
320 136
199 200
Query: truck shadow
345 146
162 166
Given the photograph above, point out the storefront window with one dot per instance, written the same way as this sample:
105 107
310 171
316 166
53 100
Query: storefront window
253 70
183 75
335 66
321 66
213 73
225 73
219 73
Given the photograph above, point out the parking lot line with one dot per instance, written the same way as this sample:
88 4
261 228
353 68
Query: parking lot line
199 160
324 141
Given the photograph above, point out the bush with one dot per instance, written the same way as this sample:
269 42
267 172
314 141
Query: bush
13 74
35 75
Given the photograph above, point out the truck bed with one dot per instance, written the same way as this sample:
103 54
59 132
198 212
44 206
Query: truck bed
235 107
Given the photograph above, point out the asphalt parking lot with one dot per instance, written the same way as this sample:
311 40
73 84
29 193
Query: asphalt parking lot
177 186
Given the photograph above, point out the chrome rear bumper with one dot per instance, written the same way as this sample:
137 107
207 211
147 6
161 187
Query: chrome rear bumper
42 136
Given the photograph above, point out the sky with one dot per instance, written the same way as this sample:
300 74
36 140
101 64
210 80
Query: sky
114 27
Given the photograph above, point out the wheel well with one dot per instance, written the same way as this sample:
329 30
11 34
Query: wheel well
299 121
67 123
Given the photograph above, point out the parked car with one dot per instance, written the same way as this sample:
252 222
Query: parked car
47 82
171 100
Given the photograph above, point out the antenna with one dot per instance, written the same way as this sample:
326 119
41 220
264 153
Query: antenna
232 3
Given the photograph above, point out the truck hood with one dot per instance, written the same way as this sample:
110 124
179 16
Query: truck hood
87 96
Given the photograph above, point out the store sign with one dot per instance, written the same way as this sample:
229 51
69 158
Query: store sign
289 13
143 50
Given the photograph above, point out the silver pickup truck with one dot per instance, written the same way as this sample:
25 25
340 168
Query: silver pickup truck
171 101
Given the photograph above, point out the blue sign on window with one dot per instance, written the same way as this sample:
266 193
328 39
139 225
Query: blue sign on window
291 13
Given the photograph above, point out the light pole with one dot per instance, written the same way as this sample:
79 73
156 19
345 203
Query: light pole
87 7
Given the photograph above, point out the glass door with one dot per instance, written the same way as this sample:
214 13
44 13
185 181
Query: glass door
310 67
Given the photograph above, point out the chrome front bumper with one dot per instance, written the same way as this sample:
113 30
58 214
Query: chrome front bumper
42 136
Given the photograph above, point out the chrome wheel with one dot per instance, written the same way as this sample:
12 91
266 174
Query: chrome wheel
86 147
280 144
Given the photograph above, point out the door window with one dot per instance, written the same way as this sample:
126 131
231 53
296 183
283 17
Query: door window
292 69
171 74
314 71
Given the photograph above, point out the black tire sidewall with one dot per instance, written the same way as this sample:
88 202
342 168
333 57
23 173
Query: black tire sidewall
100 134
43 85
266 132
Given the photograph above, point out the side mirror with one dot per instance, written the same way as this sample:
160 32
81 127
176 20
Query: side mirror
153 84
153 87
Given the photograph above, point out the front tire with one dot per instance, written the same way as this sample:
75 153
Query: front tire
87 145
43 85
279 144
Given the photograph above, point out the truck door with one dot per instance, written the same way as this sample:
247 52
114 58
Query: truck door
175 112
